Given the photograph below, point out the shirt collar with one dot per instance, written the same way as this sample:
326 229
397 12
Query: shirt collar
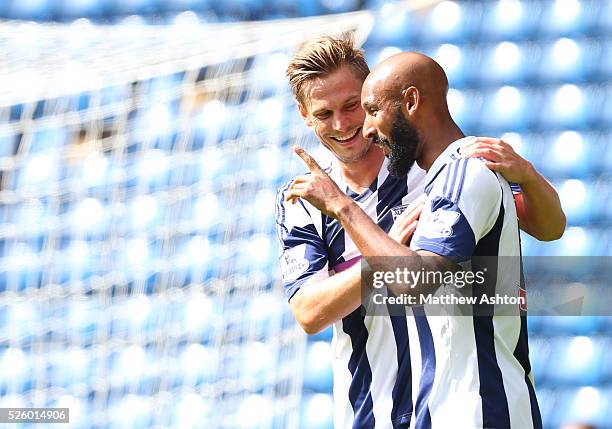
453 150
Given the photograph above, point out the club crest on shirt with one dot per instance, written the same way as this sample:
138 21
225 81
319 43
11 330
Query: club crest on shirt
398 210
294 263
440 224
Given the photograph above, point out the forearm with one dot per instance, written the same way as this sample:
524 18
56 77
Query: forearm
369 238
317 305
385 254
542 215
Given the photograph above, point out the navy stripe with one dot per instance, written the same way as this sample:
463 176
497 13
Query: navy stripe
360 197
495 410
429 185
428 369
521 353
359 366
304 207
457 165
402 390
464 165
333 235
448 173
390 195
515 188
280 212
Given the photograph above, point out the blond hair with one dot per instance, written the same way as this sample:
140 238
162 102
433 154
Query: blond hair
321 57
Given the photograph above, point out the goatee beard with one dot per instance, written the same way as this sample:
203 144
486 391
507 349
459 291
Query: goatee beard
402 144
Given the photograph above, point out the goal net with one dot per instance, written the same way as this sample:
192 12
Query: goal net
138 263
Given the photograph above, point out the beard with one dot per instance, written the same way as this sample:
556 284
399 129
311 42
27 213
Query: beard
403 145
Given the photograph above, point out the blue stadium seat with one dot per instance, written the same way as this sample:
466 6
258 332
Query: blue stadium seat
567 60
450 21
318 367
72 9
325 335
29 9
566 106
569 325
604 112
546 401
509 20
466 107
397 29
505 63
340 6
577 197
317 412
508 107
539 354
460 62
566 17
576 361
584 405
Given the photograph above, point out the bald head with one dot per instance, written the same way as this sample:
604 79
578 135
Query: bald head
404 99
391 78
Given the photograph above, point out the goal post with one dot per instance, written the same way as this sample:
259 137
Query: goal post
138 263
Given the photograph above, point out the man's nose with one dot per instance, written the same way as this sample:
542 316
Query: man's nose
368 130
342 122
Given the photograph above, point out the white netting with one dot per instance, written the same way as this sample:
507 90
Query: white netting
137 257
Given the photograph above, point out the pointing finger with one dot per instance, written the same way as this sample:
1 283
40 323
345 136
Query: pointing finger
308 160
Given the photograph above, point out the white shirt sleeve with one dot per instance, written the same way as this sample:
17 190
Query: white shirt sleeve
304 254
460 209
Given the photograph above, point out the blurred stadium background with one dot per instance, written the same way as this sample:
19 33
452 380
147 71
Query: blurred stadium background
141 144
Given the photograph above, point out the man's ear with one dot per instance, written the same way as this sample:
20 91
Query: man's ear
304 114
411 99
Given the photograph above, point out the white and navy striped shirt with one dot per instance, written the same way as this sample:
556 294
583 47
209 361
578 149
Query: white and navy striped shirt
372 365
477 372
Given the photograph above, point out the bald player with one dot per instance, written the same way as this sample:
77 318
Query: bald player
476 371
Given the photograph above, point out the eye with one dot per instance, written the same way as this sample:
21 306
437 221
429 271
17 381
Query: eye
352 106
322 115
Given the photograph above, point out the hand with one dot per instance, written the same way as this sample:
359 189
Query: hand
500 157
406 223
317 188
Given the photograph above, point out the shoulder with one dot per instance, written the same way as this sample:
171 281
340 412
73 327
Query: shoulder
465 177
290 215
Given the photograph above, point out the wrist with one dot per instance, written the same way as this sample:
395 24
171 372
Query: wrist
343 209
531 175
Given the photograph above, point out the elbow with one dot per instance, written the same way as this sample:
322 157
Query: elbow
309 318
551 232
310 325
562 226
312 329
556 232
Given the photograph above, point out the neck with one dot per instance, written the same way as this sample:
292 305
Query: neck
436 139
359 175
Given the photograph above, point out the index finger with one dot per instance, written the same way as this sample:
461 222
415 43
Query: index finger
308 160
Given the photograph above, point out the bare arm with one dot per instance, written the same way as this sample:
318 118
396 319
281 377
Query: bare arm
378 247
369 238
319 304
541 215
538 207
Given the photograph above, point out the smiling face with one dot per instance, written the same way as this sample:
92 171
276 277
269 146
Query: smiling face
332 106
386 125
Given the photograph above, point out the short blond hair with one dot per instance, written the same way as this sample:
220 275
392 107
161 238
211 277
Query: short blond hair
321 57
